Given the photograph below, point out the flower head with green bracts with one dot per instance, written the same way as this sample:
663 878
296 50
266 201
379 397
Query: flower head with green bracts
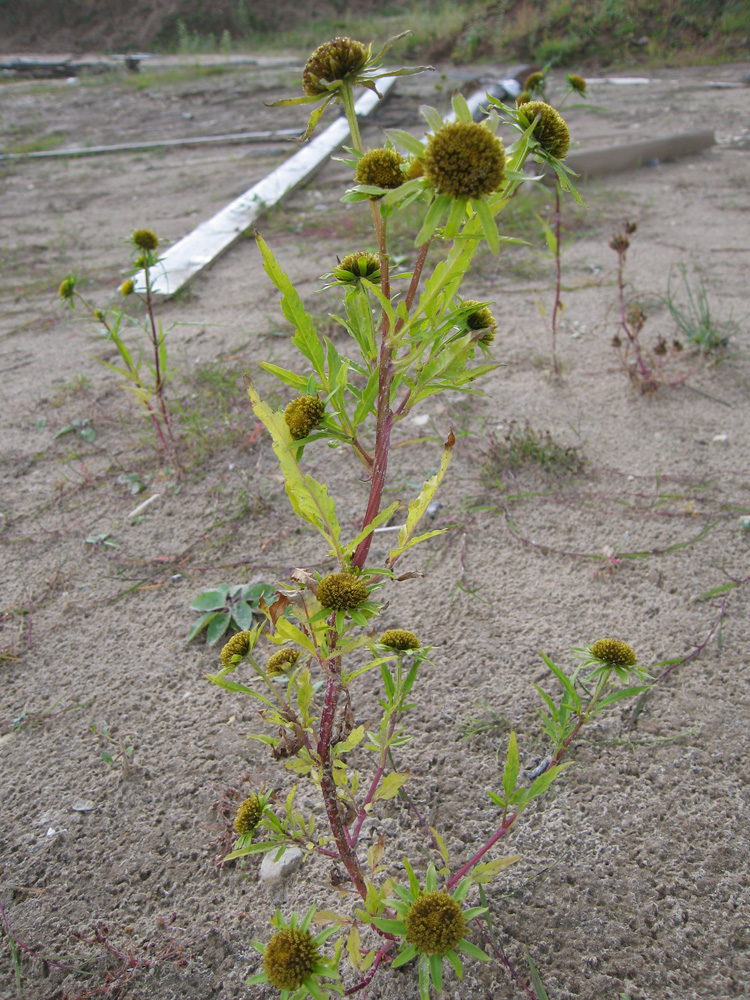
380 169
609 656
355 266
458 169
576 83
432 925
248 815
292 961
239 645
280 661
401 639
67 289
335 68
548 127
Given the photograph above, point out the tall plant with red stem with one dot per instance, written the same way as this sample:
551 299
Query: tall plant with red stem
411 336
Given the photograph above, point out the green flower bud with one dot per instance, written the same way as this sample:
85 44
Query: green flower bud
291 956
303 414
380 168
145 239
464 160
341 591
127 288
615 652
281 660
533 81
67 288
335 60
435 923
577 83
248 815
400 638
99 314
523 98
550 131
357 265
239 643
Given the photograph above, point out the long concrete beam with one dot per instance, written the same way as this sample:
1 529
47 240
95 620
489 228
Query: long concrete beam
600 160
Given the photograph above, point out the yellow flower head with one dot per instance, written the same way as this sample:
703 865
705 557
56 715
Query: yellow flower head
303 414
67 288
435 923
290 957
248 815
341 591
533 81
615 652
464 160
145 239
280 661
380 168
238 644
400 638
576 83
339 59
127 288
550 131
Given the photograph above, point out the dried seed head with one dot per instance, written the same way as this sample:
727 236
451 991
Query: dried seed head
67 288
616 341
577 83
357 265
281 660
239 643
630 227
614 651
341 591
291 956
550 131
619 243
127 288
339 59
400 638
464 160
660 347
303 414
146 239
380 168
248 815
533 80
523 98
435 923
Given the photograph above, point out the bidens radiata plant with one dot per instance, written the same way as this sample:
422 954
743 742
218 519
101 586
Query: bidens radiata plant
412 336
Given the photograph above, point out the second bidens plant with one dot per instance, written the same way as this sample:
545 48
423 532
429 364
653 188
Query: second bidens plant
412 336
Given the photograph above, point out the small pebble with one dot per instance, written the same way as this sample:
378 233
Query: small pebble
288 863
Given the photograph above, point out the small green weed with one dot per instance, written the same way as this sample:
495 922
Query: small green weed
695 320
522 445
227 607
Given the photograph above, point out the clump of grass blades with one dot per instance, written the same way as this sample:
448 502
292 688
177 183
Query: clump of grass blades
523 445
695 320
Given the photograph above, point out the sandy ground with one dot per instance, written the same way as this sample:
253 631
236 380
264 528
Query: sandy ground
633 880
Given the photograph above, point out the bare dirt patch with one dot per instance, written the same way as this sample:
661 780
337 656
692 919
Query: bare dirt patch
633 879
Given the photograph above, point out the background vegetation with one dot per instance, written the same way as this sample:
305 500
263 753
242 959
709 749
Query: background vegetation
587 32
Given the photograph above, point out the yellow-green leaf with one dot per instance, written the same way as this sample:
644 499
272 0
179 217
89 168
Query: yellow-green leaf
391 784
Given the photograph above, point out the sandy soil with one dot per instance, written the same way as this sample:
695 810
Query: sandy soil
634 873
